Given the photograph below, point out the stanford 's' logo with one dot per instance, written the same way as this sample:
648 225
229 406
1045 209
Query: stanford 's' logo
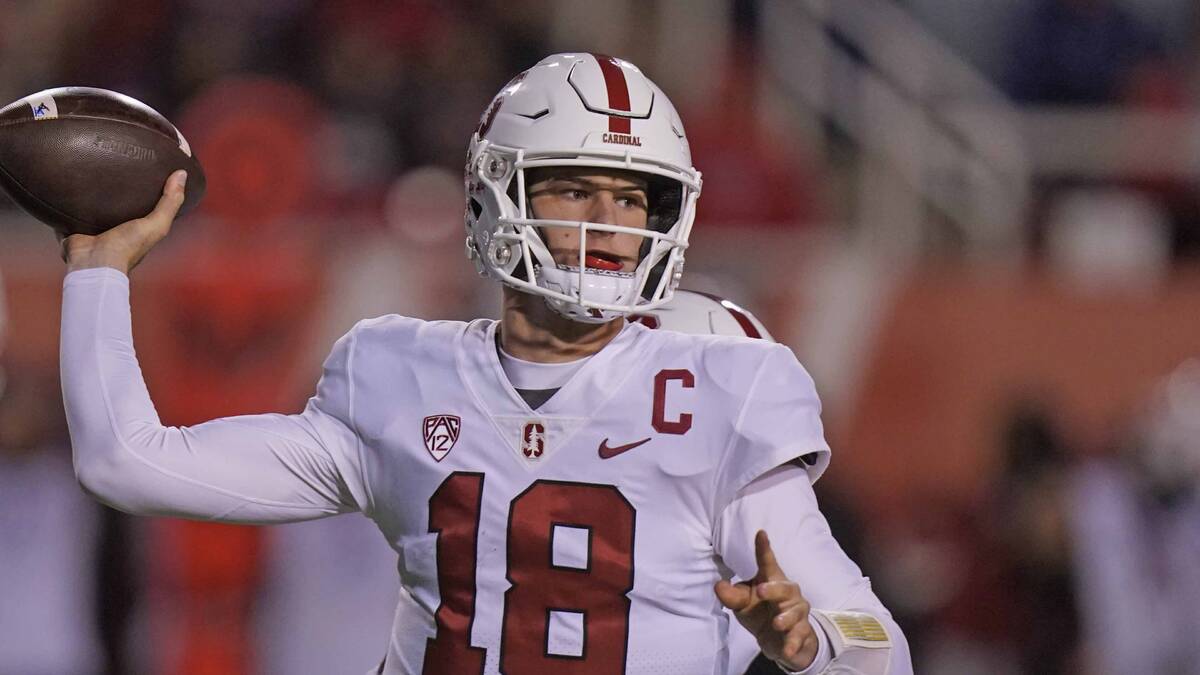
533 440
441 432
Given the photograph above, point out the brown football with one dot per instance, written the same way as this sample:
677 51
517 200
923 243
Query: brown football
84 160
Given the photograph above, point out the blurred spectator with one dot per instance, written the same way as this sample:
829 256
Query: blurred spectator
754 173
945 579
65 575
1029 519
417 73
989 591
257 139
1135 520
1108 239
1116 233
1075 52
32 39
124 45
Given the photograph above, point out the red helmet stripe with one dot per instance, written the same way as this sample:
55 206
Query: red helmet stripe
743 321
738 315
618 92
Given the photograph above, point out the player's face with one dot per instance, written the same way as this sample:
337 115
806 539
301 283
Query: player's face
597 196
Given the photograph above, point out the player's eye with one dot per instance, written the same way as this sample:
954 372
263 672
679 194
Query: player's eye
575 194
632 201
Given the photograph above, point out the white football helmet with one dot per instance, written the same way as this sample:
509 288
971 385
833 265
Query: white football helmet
579 110
704 314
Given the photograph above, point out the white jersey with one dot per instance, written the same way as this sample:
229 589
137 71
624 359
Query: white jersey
581 537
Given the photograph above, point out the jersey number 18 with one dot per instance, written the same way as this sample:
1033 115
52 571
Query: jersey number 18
597 591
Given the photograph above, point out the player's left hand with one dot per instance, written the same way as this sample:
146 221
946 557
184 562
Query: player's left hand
772 608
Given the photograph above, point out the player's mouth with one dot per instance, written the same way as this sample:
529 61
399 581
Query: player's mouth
603 260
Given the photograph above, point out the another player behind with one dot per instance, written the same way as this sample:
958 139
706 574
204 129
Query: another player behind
704 314
564 488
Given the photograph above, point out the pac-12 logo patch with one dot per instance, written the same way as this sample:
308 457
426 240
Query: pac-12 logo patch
533 440
441 433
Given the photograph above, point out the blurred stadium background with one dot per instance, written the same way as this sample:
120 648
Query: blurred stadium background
977 222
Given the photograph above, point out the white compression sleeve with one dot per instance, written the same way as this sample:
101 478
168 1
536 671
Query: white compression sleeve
782 502
250 469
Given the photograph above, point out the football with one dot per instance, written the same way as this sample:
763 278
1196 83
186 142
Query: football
84 160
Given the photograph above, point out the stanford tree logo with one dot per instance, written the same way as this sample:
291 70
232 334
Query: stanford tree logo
533 440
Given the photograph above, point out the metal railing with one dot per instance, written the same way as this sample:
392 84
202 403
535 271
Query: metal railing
937 144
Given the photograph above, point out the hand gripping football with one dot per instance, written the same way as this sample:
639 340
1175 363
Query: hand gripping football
84 160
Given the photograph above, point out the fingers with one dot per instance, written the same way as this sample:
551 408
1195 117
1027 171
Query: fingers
736 597
125 245
157 223
63 246
71 246
768 566
787 619
778 592
773 609
151 229
794 641
172 198
800 645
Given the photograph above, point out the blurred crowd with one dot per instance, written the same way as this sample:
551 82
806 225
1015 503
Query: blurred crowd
1060 533
1103 55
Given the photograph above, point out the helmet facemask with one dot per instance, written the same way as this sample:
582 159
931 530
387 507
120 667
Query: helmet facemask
580 110
514 251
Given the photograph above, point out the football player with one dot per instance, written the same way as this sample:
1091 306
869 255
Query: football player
567 491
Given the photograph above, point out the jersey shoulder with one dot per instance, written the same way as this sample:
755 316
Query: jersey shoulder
404 332
392 339
734 362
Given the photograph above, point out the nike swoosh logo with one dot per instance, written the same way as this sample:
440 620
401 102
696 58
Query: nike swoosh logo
608 453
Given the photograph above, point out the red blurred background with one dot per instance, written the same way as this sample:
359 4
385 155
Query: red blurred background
977 224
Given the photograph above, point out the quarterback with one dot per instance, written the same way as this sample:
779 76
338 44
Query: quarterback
567 491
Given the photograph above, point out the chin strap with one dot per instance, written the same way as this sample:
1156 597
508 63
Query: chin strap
858 643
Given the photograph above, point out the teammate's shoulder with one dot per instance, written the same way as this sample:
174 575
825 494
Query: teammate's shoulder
722 346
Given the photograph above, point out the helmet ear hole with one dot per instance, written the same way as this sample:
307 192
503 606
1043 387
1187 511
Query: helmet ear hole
476 208
664 203
654 278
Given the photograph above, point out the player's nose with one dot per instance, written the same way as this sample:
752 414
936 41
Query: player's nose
603 208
